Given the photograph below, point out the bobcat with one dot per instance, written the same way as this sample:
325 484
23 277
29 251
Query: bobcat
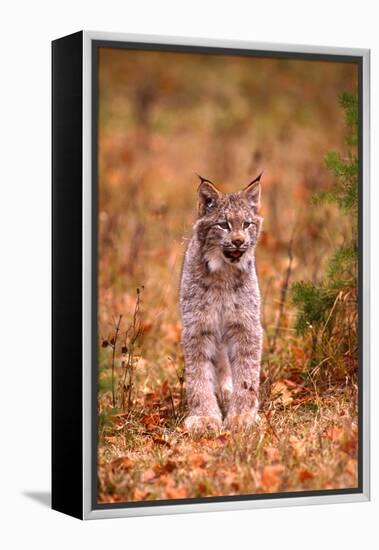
220 308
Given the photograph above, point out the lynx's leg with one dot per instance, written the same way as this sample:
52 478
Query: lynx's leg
224 380
245 356
204 411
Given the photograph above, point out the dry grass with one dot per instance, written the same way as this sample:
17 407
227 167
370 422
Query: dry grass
153 134
306 444
306 438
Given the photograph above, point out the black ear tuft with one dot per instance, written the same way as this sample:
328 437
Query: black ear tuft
258 178
203 179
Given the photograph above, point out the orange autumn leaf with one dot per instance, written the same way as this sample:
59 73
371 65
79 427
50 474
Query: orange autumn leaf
202 488
271 479
167 468
151 421
198 460
230 479
122 463
161 441
280 392
305 475
140 494
177 492
115 498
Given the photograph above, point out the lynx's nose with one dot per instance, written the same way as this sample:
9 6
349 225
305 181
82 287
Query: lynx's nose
238 242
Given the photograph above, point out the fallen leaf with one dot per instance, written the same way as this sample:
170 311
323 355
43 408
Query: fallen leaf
198 460
229 478
305 475
167 468
270 477
177 492
161 441
140 494
124 463
202 488
114 498
280 392
151 421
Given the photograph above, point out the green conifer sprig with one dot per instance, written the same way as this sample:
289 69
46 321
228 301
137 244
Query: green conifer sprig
316 303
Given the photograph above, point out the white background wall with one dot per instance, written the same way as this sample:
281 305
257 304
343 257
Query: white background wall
26 31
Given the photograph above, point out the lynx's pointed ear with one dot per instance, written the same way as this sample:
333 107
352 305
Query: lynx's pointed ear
208 196
252 193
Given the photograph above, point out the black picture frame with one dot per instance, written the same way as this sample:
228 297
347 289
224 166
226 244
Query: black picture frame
74 433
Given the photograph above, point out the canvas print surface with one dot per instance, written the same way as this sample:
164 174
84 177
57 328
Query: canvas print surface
227 275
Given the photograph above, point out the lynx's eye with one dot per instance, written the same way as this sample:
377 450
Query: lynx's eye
246 225
223 225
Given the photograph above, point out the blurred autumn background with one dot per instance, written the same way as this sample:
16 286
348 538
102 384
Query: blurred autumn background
162 117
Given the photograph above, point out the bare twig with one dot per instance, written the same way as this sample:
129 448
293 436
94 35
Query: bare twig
135 246
338 298
133 332
283 293
172 404
180 377
271 428
113 344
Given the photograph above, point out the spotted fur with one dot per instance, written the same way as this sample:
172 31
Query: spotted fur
220 307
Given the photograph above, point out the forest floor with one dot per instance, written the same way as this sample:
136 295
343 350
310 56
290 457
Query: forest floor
306 439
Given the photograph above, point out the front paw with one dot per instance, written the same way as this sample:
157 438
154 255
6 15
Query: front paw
224 397
198 424
243 421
